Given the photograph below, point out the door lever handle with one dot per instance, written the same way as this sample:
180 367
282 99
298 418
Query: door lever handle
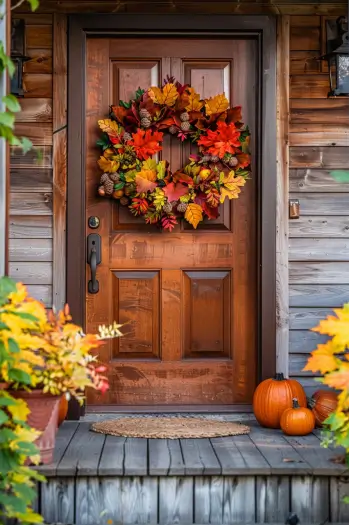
93 259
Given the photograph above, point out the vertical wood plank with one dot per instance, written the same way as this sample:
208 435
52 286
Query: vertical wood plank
272 499
58 500
239 499
282 122
208 499
176 500
59 156
309 498
339 488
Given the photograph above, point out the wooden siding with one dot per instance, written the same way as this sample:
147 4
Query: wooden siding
319 156
31 201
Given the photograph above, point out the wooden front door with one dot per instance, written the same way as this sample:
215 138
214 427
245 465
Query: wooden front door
188 297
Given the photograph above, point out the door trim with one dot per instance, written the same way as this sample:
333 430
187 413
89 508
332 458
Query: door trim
261 28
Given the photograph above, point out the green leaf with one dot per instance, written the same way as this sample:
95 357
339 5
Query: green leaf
34 4
7 119
11 103
7 401
6 62
26 145
12 503
18 376
139 93
24 315
119 186
7 286
125 105
7 435
8 460
13 346
3 417
28 449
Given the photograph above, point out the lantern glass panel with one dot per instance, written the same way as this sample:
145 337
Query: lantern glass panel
343 74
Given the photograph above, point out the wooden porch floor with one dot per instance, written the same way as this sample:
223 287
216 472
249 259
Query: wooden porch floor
81 452
257 478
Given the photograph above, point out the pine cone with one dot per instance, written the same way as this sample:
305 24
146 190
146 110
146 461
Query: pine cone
233 161
109 187
182 207
124 201
206 158
104 178
145 122
167 207
172 129
185 126
144 113
184 116
115 177
127 136
214 158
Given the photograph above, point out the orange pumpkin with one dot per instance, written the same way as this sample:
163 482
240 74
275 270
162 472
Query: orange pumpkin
63 410
273 396
297 421
323 403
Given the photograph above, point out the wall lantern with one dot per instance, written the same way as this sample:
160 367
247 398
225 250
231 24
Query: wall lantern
17 56
337 56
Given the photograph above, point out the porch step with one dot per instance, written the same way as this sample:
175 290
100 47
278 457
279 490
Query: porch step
259 478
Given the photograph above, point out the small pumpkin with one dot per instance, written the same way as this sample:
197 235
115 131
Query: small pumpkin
297 421
323 403
273 396
62 410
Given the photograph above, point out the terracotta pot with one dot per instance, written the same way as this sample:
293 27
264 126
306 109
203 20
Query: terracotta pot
43 417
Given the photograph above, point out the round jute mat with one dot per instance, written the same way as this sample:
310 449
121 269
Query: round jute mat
169 428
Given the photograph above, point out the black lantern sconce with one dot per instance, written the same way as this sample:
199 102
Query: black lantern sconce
17 56
337 56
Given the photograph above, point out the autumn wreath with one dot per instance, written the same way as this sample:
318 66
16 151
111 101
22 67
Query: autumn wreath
133 135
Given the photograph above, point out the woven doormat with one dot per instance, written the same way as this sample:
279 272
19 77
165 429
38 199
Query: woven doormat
169 428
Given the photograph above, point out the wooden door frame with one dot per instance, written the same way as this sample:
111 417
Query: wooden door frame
263 29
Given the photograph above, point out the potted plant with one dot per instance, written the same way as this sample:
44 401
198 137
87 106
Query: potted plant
53 358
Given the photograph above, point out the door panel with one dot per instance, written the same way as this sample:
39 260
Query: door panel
187 298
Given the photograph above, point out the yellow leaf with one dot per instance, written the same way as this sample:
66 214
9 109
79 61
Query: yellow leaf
216 104
166 96
194 102
337 327
108 166
20 410
193 214
148 174
149 164
321 360
109 126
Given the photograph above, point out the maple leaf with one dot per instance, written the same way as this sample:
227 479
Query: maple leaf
194 102
110 127
211 212
322 360
174 191
216 104
224 140
179 176
149 164
244 160
120 113
107 165
166 96
193 214
231 186
337 327
146 143
339 379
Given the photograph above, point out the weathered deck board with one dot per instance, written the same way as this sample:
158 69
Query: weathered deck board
135 459
112 460
63 439
199 457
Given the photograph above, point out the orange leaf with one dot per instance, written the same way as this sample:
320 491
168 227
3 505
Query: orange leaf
244 160
146 143
234 114
194 102
224 140
321 360
193 214
119 112
166 96
339 380
216 104
143 184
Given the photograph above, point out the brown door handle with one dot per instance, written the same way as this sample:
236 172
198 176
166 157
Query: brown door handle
93 259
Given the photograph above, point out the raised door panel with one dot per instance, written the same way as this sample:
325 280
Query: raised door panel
207 314
136 304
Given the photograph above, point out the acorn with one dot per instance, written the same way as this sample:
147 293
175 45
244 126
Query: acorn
117 194
101 191
124 201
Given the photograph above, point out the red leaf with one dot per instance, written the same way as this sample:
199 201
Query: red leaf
212 213
234 115
174 191
168 222
179 176
200 198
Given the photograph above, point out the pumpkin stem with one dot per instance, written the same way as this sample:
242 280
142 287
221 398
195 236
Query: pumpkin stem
295 403
279 377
